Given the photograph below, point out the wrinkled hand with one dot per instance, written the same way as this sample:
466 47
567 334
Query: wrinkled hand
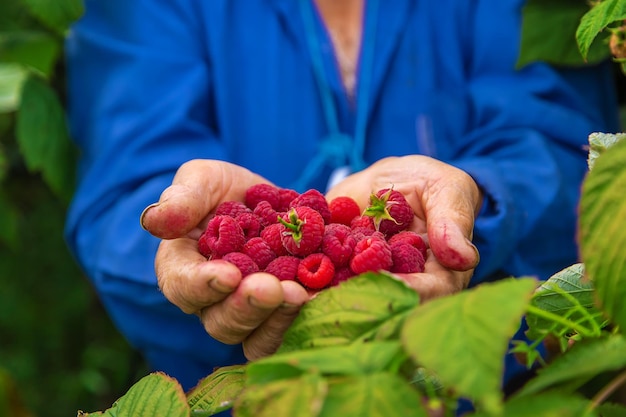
445 200
254 311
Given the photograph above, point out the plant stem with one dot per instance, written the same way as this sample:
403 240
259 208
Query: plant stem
605 392
582 330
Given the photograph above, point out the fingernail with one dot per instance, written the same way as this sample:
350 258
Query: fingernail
288 305
143 214
219 286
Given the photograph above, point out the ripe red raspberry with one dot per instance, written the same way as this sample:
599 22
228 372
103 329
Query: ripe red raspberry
342 274
303 231
260 251
406 258
231 208
221 236
285 197
412 238
363 222
316 271
272 235
285 268
266 213
338 243
261 192
371 254
315 200
390 211
250 223
343 210
242 261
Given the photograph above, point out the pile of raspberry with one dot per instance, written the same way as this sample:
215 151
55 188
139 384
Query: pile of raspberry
305 238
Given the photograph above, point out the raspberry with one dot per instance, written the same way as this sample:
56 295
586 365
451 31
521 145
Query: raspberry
272 235
363 222
285 268
315 200
390 211
316 271
221 236
242 261
250 223
371 254
266 213
285 197
338 243
303 231
341 275
406 258
260 251
231 208
343 210
412 238
261 192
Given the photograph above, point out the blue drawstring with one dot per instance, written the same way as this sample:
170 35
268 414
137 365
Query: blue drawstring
339 148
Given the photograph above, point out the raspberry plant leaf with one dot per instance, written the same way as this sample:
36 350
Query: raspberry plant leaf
570 296
549 404
584 361
602 235
602 14
217 392
353 310
154 395
541 42
484 318
294 397
379 394
600 142
354 359
43 137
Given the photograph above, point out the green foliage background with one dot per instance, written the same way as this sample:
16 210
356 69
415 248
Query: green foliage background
58 350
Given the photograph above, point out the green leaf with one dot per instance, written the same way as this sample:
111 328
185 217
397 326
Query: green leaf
297 397
612 410
602 235
600 142
568 295
585 360
601 15
544 405
375 395
12 78
218 391
463 338
353 310
549 33
355 359
42 135
33 49
58 14
9 222
155 395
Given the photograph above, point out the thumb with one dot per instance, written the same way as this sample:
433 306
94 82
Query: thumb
450 215
198 187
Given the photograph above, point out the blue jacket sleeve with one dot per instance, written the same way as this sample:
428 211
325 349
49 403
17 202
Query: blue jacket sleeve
139 106
526 147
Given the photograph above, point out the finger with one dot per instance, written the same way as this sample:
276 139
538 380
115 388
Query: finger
266 339
436 280
451 204
239 314
197 188
188 280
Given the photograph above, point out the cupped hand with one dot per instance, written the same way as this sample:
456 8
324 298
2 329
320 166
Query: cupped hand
445 200
255 310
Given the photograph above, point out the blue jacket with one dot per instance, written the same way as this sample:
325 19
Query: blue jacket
153 84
